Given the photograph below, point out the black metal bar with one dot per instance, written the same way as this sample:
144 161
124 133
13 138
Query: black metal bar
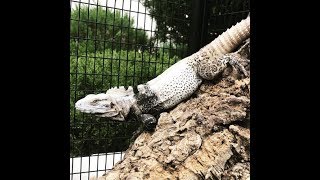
204 22
127 62
196 26
135 49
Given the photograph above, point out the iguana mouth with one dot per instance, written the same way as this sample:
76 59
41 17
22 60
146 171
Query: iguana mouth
101 112
96 108
89 109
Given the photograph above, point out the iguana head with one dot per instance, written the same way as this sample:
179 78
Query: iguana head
115 103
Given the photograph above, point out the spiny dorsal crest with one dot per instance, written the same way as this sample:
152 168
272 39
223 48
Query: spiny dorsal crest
120 92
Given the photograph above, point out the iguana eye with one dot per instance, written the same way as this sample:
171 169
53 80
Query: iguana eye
94 101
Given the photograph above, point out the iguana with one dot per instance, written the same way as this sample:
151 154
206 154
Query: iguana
174 85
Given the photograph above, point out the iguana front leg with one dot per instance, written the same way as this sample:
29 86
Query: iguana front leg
234 59
209 68
148 120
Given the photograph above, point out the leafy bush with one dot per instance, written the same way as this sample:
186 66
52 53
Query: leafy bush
96 29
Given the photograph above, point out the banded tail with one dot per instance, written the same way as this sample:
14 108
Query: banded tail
231 38
225 42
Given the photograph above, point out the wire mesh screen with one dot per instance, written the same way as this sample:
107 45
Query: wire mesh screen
126 43
223 14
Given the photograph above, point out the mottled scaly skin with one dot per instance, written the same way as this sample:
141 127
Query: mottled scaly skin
182 79
174 85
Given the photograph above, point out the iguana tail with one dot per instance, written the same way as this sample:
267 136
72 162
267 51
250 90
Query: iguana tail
230 39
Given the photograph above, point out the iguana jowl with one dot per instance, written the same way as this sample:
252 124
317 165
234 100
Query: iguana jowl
174 85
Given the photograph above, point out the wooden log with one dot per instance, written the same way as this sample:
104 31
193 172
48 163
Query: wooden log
205 137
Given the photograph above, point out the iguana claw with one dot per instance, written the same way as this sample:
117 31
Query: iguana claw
149 121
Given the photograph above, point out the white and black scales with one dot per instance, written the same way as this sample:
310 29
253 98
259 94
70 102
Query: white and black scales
175 84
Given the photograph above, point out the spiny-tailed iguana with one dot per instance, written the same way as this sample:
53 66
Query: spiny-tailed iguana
174 85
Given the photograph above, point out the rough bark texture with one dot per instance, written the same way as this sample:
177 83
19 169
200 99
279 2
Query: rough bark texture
205 137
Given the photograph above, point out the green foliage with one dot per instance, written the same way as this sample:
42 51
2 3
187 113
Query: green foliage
98 28
175 49
96 70
173 18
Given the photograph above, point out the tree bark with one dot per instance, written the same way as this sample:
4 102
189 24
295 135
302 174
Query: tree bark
205 137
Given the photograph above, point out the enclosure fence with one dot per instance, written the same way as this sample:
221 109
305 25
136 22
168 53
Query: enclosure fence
125 43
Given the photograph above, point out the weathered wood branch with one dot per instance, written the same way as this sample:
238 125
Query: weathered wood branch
205 137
